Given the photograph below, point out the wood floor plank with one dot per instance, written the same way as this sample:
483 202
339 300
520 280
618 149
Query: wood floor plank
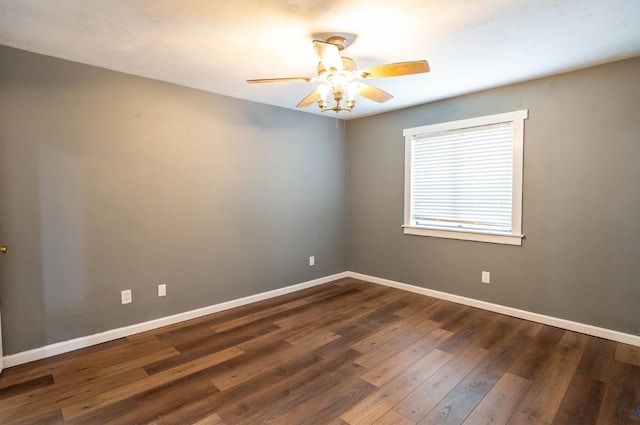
454 408
245 405
113 352
311 339
342 353
197 411
185 402
462 320
376 405
581 402
466 332
447 313
339 391
112 414
205 399
217 342
498 405
52 417
575 340
418 303
519 418
344 311
496 331
343 302
319 313
26 386
547 391
394 418
110 356
349 334
389 347
55 396
17 375
137 387
622 396
597 360
530 328
367 321
247 371
264 358
420 402
394 365
254 317
300 322
281 334
337 421
210 420
628 354
531 362
90 374
189 335
420 318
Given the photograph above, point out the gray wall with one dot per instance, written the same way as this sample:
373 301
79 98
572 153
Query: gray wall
581 257
110 182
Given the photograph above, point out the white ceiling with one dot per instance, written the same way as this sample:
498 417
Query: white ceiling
215 45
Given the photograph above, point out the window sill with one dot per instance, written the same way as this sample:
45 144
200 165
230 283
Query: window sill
465 235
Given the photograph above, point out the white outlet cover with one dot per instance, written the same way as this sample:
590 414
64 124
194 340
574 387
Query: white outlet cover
125 297
312 261
486 277
162 290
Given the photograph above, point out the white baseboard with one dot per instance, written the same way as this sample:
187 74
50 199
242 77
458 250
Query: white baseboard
110 335
509 311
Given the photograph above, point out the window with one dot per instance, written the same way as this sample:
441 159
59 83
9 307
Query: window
463 179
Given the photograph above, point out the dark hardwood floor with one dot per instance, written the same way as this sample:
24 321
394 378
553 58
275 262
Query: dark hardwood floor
347 352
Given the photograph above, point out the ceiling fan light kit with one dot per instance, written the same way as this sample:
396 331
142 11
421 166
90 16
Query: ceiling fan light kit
337 83
339 80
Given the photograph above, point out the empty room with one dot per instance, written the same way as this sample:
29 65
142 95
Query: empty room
320 212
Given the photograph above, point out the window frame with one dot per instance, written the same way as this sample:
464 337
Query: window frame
516 118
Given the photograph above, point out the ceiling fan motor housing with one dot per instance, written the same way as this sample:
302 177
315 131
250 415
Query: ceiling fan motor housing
338 41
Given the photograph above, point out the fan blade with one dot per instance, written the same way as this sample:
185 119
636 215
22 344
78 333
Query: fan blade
395 69
309 100
373 93
329 55
280 80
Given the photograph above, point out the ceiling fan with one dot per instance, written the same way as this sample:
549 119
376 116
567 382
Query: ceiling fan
339 77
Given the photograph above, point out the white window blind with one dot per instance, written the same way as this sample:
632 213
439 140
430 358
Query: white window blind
463 179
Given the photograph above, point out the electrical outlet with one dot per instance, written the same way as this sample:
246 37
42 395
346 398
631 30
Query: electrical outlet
162 290
486 277
126 297
312 261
